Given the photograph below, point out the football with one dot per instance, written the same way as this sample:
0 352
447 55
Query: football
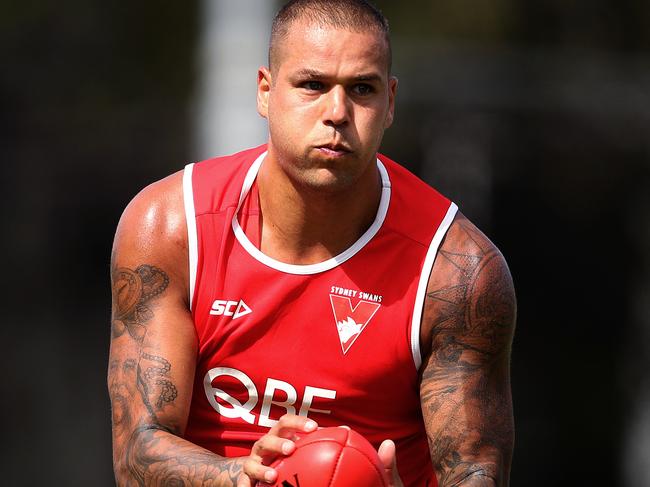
331 457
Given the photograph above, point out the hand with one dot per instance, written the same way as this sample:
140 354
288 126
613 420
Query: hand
387 456
278 441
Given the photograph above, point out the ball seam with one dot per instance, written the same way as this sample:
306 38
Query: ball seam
336 467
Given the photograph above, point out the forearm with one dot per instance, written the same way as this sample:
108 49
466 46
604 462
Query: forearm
472 475
475 472
153 456
474 480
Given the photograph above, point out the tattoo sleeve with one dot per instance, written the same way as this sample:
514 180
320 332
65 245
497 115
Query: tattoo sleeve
147 447
132 292
465 390
157 458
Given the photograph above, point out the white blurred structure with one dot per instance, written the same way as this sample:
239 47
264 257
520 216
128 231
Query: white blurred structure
233 44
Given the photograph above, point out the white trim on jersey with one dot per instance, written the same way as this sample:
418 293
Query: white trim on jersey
424 280
321 266
190 218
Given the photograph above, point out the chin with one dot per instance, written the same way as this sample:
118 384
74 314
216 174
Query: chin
326 180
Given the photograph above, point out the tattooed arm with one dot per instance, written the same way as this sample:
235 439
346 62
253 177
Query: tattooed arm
154 348
467 330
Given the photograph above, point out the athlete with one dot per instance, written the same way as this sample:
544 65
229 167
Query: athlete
309 282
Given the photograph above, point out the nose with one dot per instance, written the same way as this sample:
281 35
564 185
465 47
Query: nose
337 108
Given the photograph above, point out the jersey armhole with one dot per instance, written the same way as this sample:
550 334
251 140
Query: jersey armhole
190 218
424 281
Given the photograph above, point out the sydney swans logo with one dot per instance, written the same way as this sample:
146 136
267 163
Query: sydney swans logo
350 321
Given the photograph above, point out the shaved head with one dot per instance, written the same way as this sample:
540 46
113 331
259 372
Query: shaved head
352 15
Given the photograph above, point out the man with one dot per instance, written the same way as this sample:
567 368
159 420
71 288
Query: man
309 283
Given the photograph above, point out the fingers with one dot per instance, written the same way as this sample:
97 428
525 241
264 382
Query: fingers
272 446
290 423
254 470
279 441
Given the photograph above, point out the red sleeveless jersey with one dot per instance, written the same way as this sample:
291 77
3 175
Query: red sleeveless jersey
336 341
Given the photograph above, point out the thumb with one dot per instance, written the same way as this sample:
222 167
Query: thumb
243 480
387 456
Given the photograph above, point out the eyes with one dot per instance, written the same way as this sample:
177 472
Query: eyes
363 89
359 89
313 85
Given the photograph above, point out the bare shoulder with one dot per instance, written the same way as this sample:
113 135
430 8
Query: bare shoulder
156 211
153 229
470 293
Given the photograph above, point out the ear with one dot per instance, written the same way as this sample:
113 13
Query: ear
263 90
392 91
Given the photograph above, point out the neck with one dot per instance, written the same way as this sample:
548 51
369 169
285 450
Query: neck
306 225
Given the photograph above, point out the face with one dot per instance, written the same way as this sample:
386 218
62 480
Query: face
328 101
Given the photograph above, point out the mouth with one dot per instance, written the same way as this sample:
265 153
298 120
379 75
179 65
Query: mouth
333 150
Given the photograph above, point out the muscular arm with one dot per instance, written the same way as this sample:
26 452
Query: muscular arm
153 349
467 330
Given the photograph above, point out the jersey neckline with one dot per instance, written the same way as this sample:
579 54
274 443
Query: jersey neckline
304 269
